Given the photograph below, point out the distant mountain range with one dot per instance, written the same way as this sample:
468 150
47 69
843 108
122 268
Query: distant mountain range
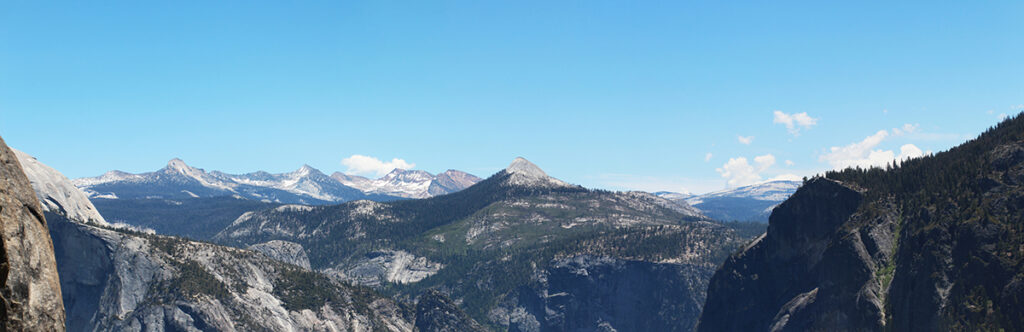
520 250
306 185
749 203
521 234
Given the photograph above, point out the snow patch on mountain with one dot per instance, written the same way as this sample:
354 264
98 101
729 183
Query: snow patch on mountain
410 183
111 176
748 203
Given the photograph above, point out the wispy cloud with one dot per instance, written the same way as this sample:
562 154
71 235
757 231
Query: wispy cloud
745 139
707 157
794 122
905 129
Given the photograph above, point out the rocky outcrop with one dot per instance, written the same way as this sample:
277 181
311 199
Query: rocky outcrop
380 267
56 193
123 281
435 312
599 293
29 286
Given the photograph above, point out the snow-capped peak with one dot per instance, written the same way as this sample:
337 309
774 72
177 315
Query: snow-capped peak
305 170
179 166
524 173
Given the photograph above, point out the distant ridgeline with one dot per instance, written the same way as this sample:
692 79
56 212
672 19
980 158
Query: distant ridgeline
187 201
932 244
748 203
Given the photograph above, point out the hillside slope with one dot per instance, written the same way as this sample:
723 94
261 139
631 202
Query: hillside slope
504 247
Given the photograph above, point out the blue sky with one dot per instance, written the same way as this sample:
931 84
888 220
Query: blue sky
608 94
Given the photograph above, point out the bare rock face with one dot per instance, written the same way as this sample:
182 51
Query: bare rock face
285 251
808 272
29 286
601 293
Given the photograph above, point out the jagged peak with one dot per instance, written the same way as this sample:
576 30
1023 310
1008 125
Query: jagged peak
306 170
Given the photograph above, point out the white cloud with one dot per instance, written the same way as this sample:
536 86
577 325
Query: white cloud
1002 116
910 151
360 164
739 172
794 122
789 162
863 154
707 157
860 153
745 139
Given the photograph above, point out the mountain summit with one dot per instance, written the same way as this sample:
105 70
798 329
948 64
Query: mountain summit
524 173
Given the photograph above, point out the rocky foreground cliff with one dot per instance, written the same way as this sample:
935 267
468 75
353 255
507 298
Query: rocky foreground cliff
931 245
29 286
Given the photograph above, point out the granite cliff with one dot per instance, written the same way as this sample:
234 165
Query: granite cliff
29 286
